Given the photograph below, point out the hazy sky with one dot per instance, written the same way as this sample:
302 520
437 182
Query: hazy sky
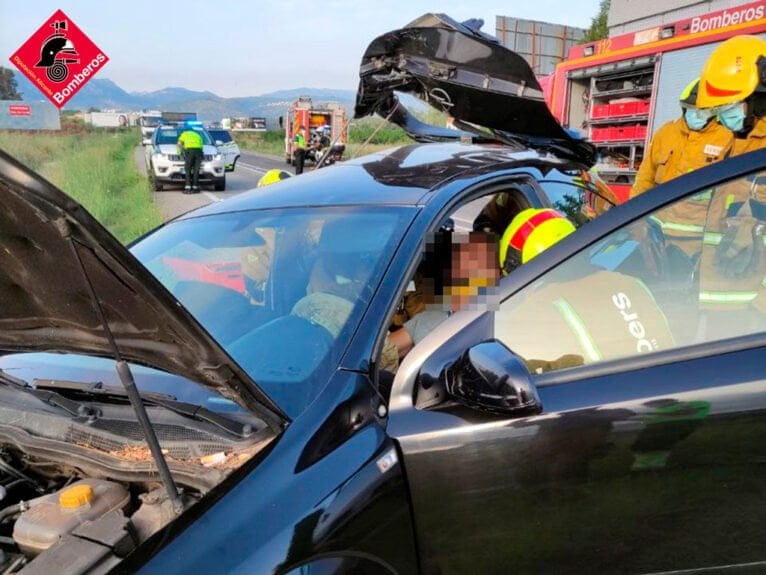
247 48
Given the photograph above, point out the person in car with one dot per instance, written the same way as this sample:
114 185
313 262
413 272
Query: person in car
732 265
455 270
474 263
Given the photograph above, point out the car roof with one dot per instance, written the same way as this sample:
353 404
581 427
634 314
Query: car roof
402 176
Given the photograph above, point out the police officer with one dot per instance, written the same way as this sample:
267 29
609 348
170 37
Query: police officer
300 149
190 142
732 266
692 141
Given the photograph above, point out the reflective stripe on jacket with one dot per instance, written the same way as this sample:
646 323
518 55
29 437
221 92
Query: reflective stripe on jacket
716 290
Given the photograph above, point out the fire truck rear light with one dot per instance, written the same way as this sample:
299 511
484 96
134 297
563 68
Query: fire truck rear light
667 32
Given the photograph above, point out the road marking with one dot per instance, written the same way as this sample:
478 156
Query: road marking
213 197
251 168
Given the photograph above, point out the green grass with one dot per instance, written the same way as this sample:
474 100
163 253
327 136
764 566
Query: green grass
271 142
97 169
366 136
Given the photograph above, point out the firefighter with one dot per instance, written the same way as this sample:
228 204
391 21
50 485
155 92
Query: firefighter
530 233
603 315
190 143
272 177
692 141
733 266
300 149
255 260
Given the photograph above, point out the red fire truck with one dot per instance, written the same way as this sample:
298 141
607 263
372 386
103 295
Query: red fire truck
314 117
620 90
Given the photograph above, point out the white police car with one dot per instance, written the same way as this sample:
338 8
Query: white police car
226 146
165 163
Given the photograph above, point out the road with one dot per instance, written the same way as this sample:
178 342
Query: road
250 168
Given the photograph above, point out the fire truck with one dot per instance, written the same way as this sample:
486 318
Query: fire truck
618 91
314 118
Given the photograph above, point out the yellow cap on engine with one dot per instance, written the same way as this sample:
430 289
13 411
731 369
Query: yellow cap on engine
76 496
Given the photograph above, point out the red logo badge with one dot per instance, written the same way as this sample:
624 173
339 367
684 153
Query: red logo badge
59 58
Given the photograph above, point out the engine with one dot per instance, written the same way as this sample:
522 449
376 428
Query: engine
49 515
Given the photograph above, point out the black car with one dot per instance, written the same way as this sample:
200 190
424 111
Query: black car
212 399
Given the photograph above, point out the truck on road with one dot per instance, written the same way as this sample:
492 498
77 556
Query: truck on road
148 121
314 117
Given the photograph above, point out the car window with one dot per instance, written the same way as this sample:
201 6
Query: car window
221 135
689 273
581 198
170 135
280 290
167 136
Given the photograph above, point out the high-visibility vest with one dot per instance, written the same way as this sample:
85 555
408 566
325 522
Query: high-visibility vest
300 141
191 140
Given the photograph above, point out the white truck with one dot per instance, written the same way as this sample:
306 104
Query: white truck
148 121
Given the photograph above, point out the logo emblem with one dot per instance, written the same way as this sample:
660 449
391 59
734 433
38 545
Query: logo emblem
59 58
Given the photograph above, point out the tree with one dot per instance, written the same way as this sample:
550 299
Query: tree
598 29
8 87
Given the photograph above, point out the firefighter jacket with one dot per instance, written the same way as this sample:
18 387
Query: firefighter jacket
737 210
676 150
605 315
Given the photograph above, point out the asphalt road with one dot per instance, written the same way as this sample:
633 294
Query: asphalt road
249 169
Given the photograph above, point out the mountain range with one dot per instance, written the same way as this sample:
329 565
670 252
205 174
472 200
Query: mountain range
104 94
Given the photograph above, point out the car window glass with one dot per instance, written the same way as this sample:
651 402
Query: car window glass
280 290
221 135
689 273
568 198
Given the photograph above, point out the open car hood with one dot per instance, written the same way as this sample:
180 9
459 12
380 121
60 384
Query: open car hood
60 270
490 91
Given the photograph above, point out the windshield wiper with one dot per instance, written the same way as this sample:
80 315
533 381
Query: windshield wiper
169 402
71 406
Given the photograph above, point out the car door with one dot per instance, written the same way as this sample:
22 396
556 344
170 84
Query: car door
635 437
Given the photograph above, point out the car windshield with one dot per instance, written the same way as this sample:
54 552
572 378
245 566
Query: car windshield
283 290
220 135
170 135
151 121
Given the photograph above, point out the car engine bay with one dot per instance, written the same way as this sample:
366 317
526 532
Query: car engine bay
78 494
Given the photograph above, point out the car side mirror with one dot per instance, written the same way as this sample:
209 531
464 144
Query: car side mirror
491 377
219 142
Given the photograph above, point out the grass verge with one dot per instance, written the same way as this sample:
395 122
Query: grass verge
365 136
96 169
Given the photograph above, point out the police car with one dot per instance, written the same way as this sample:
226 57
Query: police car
165 162
226 145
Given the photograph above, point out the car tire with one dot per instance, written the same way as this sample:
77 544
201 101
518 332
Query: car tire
220 184
157 185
